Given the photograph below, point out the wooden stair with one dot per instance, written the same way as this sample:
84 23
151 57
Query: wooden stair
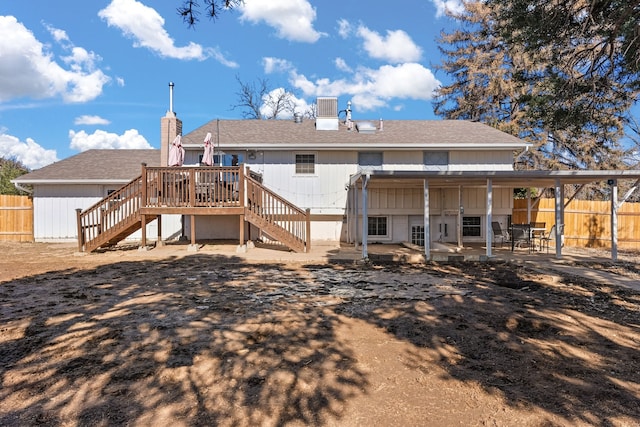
276 217
112 219
118 215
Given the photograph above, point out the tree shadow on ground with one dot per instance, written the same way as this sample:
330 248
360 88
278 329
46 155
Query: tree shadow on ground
569 348
176 339
208 340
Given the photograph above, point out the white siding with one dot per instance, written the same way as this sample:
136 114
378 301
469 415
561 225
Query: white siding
324 192
54 213
480 161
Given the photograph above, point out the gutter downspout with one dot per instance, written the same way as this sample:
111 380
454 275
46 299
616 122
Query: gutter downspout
21 188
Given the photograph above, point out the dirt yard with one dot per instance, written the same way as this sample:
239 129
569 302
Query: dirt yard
172 338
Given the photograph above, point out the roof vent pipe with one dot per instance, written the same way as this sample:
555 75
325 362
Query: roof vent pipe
297 117
348 120
381 126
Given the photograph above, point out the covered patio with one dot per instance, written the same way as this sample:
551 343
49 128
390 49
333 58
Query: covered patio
556 180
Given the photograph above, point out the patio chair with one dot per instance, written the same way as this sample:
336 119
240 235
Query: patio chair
538 230
545 240
520 236
499 234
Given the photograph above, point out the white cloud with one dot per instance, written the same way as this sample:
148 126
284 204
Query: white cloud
28 152
83 141
120 81
396 47
455 7
28 68
57 34
292 19
342 65
91 120
374 88
146 27
272 65
344 28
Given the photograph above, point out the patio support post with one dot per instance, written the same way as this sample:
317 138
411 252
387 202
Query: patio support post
528 205
355 211
559 213
488 228
365 218
427 227
459 218
614 219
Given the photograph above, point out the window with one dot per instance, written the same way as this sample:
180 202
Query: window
305 163
377 226
436 160
369 161
417 235
471 226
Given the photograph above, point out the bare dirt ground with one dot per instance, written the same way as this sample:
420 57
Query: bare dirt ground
200 339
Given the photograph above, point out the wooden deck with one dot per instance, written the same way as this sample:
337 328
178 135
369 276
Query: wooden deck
193 191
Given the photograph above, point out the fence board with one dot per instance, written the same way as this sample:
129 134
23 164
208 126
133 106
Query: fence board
587 223
16 218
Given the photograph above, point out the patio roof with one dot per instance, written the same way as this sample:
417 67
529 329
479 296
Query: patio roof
490 179
534 178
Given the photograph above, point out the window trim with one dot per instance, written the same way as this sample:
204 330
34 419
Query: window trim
386 224
295 163
474 226
436 166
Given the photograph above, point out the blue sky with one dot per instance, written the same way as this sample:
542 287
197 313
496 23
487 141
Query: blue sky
76 75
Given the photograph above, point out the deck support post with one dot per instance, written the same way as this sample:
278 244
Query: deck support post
80 233
159 241
143 230
193 246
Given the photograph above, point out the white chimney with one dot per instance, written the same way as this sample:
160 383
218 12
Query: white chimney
327 117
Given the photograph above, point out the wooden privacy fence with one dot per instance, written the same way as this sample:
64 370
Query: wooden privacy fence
16 218
587 223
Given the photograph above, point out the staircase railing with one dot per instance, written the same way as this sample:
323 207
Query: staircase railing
277 217
105 219
118 215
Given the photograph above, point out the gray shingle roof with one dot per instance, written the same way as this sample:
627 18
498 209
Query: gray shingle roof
452 134
95 165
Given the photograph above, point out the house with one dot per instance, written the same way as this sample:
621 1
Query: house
329 178
312 162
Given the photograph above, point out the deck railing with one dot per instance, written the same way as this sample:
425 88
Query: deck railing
216 186
184 190
278 217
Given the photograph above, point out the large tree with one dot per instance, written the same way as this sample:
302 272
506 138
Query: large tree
10 169
258 101
573 122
